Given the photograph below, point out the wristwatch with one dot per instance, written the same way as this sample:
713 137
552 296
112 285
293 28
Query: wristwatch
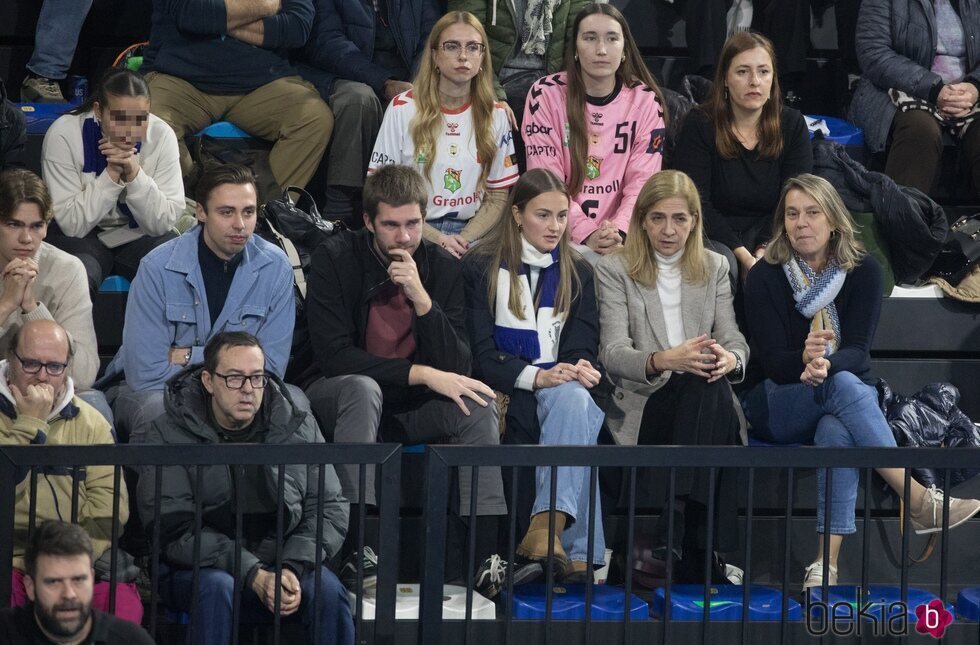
187 358
736 372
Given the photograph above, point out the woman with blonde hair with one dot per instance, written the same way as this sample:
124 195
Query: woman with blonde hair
812 309
452 130
535 337
599 125
671 345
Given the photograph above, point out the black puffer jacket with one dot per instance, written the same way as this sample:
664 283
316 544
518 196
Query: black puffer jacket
13 136
282 423
930 419
913 225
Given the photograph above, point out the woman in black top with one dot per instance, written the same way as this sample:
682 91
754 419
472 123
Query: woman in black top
740 147
812 309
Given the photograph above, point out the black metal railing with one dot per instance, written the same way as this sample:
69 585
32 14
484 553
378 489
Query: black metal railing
17 462
441 461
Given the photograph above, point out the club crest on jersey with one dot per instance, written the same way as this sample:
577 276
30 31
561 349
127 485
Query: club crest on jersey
592 167
420 158
657 138
451 180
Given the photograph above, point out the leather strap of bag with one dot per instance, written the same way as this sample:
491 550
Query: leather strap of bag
929 547
290 249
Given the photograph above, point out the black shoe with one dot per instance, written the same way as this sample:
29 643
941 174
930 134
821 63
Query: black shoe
348 571
492 575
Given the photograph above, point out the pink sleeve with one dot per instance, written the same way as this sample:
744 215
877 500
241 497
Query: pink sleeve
646 154
543 132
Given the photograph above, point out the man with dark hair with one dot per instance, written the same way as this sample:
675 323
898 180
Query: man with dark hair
217 276
232 398
390 339
360 55
38 407
58 580
212 60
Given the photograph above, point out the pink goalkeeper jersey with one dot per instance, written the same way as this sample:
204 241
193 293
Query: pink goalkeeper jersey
626 141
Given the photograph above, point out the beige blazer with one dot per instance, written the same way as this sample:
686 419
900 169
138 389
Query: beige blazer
632 327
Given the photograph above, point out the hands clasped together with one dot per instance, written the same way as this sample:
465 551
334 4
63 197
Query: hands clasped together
18 281
701 355
814 350
123 164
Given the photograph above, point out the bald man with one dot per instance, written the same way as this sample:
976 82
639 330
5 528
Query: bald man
38 406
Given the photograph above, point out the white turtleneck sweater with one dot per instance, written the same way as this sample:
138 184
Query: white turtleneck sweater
669 289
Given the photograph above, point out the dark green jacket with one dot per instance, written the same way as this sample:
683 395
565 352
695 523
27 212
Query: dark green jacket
502 32
186 423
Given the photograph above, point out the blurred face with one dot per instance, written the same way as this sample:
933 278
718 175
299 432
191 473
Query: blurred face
22 234
124 119
234 408
749 80
543 220
61 590
807 227
459 54
668 224
228 218
40 344
396 227
599 46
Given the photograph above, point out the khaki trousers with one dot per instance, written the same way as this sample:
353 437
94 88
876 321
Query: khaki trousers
288 111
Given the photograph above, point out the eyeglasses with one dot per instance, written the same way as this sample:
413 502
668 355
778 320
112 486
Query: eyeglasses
237 381
453 47
32 366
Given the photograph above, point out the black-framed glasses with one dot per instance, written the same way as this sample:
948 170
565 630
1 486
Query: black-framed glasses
453 47
32 366
237 381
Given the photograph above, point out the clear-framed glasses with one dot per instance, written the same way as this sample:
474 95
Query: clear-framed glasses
32 366
453 48
237 381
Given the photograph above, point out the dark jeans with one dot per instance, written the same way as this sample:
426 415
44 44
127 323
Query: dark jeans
100 261
917 147
689 411
216 595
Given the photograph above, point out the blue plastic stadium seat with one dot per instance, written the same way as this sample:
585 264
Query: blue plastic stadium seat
841 131
114 284
224 130
725 604
414 449
881 597
38 117
968 604
568 603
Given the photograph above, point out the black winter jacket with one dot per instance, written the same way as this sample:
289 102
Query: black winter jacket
186 423
345 274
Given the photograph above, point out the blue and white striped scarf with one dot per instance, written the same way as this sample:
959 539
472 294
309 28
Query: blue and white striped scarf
814 295
535 339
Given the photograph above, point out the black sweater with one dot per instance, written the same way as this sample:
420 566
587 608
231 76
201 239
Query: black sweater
188 40
779 331
739 196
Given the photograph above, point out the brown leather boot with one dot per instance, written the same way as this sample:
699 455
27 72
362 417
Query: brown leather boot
534 546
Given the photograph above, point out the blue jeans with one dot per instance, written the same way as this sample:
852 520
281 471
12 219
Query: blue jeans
569 417
449 225
214 609
841 412
56 36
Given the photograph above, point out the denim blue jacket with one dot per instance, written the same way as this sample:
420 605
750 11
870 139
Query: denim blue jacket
167 307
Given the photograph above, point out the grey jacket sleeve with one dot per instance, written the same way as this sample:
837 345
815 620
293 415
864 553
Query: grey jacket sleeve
880 61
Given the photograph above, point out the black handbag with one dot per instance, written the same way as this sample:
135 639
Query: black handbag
960 252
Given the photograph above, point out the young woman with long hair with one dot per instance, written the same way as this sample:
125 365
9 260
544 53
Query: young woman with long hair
450 127
535 337
740 147
599 125
113 170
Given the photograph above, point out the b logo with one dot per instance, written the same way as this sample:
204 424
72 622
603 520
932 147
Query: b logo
534 128
932 619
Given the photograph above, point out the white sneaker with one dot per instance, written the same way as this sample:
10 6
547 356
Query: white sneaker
929 517
734 574
814 575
